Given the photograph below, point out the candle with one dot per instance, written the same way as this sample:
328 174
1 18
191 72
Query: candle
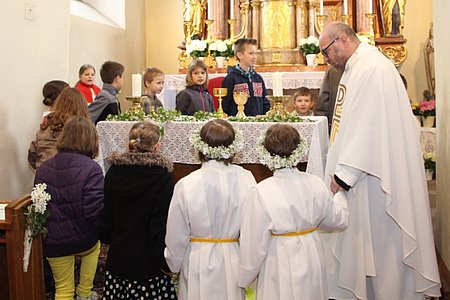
370 7
321 7
345 7
209 9
277 84
231 9
136 84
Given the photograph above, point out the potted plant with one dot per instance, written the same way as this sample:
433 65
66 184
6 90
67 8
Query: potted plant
428 110
429 160
310 48
197 48
220 50
415 107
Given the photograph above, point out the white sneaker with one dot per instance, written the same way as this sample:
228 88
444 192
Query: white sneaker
93 296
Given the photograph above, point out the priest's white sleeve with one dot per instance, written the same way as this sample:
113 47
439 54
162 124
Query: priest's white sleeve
254 240
348 174
178 230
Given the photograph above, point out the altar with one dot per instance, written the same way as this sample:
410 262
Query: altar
173 83
113 136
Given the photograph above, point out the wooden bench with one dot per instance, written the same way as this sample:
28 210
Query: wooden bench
15 284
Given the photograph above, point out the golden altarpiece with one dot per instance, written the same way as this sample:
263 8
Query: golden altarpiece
279 25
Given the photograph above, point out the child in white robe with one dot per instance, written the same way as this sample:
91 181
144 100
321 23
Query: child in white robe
205 217
279 241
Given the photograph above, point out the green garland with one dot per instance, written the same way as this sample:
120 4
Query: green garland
162 116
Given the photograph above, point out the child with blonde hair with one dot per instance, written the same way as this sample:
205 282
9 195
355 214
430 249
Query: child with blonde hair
196 96
154 83
138 189
205 217
279 241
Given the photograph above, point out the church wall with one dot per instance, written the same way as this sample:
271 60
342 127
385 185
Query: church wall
32 53
164 24
442 49
418 17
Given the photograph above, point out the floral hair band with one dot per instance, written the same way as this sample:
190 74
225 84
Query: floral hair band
219 152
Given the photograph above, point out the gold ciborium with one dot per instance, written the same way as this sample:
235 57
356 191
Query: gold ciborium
277 105
220 92
240 98
136 100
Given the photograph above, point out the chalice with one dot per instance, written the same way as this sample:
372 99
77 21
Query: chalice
240 98
220 92
277 105
136 100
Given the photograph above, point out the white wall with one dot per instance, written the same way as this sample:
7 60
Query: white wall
32 53
442 49
53 46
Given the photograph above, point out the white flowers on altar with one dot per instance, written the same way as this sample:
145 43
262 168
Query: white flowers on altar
219 152
197 48
221 48
36 218
309 45
274 162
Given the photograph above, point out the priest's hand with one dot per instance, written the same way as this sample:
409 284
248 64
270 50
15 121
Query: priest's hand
334 186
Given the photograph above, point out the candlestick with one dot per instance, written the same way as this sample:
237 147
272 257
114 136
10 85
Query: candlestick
321 7
208 29
231 9
370 7
209 9
345 7
136 84
371 18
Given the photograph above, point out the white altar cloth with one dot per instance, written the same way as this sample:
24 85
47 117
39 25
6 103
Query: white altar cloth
173 83
175 144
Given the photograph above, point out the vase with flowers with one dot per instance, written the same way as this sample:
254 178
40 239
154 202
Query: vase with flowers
221 50
197 48
415 107
429 160
428 110
310 48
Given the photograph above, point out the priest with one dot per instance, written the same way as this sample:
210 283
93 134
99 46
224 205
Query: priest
387 251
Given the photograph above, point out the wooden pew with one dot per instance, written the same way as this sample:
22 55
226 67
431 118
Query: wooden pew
19 285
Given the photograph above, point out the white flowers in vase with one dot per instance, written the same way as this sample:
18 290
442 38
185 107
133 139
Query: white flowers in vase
221 48
309 45
197 48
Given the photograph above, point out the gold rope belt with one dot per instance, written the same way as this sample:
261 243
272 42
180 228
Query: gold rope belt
301 232
212 240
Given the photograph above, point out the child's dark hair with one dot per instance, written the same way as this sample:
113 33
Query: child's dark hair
239 45
281 140
111 70
84 68
196 63
143 137
216 133
150 74
79 135
51 91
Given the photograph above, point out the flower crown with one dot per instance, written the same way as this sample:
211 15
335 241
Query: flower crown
219 152
273 161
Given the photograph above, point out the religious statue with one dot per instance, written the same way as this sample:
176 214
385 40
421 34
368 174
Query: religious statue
393 15
429 64
194 15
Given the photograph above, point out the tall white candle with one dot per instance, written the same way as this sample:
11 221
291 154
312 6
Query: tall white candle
370 7
277 84
345 7
209 9
321 7
136 84
231 9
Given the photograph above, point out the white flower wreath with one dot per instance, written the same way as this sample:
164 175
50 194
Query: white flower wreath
274 162
219 152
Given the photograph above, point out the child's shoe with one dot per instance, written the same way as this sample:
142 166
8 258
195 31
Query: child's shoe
93 296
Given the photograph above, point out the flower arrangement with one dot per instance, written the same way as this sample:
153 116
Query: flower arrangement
274 162
415 106
219 152
221 48
309 45
197 48
36 218
429 160
427 108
